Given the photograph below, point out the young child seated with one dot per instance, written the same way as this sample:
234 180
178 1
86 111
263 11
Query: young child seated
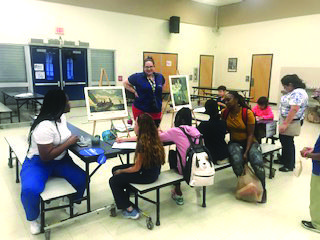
262 110
214 132
222 91
149 157
183 119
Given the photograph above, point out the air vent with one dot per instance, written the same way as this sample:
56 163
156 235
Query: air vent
36 41
69 43
54 41
83 44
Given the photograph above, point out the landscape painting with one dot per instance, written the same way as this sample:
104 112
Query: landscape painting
105 102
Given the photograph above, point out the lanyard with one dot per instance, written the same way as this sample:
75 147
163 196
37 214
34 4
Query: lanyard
152 84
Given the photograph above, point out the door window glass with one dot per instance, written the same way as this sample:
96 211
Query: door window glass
70 69
49 66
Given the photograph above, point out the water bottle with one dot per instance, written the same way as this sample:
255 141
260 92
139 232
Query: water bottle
129 120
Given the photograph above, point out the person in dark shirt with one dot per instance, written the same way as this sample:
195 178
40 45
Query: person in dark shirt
314 154
147 87
214 132
222 91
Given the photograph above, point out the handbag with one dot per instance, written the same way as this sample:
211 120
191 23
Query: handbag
249 187
293 128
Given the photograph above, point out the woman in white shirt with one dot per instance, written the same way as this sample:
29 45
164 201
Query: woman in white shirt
49 139
292 107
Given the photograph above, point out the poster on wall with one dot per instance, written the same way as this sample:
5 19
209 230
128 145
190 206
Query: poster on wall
105 102
232 64
179 89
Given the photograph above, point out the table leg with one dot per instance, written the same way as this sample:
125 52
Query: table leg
204 197
128 158
10 158
271 163
18 109
88 187
158 207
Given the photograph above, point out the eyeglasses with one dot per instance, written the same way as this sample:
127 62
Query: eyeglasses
148 67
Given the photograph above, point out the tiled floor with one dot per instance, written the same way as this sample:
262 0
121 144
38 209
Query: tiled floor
223 218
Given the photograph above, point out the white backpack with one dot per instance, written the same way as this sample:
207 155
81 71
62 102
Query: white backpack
199 170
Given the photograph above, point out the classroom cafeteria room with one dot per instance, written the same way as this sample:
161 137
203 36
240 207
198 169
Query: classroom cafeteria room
115 36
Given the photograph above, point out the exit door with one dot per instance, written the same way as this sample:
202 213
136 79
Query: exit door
64 68
74 72
45 68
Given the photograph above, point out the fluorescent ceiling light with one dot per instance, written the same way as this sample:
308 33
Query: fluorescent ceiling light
218 2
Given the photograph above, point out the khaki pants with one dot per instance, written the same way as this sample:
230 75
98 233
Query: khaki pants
315 201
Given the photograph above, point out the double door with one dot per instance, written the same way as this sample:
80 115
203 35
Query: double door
64 68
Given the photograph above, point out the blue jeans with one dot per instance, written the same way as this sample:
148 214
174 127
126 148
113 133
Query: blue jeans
34 175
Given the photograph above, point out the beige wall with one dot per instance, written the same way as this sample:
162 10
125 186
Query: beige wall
294 42
250 11
189 11
128 35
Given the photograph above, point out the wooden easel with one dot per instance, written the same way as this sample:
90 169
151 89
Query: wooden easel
173 112
104 73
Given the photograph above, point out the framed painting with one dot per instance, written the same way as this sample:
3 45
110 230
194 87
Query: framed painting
232 64
179 89
105 102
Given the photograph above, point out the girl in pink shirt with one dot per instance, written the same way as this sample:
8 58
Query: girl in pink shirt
262 110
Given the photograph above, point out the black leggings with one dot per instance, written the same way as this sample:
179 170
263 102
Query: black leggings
236 151
288 151
121 182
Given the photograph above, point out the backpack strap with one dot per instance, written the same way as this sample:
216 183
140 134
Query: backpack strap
245 115
225 114
192 144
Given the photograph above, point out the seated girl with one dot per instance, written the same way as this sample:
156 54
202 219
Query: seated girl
183 119
149 157
214 132
243 147
262 110
47 156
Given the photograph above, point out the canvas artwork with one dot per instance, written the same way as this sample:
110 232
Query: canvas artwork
179 88
105 102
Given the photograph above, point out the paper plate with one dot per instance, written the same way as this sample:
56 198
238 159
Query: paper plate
88 152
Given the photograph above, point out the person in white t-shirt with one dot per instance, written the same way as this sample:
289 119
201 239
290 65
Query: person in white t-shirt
47 156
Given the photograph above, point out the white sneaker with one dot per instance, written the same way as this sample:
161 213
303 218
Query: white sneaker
223 161
65 201
35 226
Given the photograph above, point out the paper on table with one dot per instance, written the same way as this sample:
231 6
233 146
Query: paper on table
125 145
24 95
199 110
122 128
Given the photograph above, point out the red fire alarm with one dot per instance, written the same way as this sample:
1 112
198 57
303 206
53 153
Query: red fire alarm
60 31
119 78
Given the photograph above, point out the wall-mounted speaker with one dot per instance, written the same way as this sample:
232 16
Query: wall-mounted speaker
174 24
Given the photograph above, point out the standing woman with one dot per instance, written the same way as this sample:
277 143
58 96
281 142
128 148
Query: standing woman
49 140
243 146
292 107
147 87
